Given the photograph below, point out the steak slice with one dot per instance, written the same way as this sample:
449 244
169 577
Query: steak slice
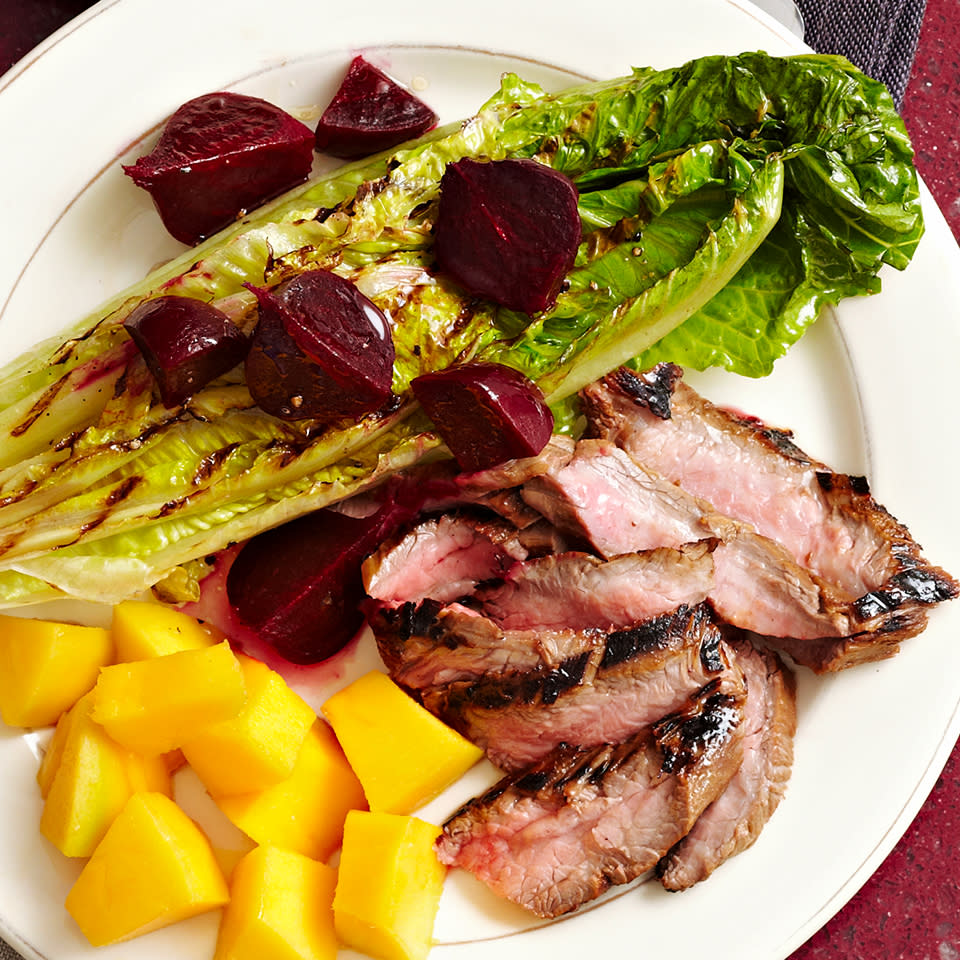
547 610
558 834
828 521
514 473
498 488
426 646
734 820
442 558
580 591
601 695
603 496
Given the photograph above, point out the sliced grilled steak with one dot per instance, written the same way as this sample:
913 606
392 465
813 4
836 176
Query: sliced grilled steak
602 495
579 591
558 834
514 473
829 522
544 612
442 559
734 820
509 505
600 695
498 488
426 646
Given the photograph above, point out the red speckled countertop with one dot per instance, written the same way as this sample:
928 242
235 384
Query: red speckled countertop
910 908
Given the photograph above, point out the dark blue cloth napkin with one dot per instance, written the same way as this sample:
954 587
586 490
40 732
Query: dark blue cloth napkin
879 36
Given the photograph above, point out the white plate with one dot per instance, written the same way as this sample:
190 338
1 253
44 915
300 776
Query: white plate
871 391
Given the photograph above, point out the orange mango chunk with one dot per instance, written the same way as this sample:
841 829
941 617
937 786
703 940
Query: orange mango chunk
45 667
281 907
154 867
260 745
389 886
154 706
54 752
403 755
88 780
305 812
143 629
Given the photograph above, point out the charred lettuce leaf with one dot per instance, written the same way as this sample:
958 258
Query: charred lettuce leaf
723 202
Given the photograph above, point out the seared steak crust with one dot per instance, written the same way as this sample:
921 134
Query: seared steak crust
596 696
556 835
426 646
734 820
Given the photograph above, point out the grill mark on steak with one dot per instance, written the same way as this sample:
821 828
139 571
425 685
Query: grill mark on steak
589 698
557 835
734 820
455 643
652 388
923 585
829 522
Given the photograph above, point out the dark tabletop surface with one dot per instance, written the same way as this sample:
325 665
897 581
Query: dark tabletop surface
910 908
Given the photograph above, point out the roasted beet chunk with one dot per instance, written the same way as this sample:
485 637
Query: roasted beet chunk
320 350
370 113
219 156
185 343
299 586
507 230
486 413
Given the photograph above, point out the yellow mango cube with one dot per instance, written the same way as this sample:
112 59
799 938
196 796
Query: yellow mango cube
45 667
403 755
281 907
148 774
305 812
154 706
54 752
154 867
260 745
88 781
389 886
143 629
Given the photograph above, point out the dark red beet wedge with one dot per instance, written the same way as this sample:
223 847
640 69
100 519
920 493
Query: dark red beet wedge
507 230
486 413
369 113
320 350
299 586
220 155
185 343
